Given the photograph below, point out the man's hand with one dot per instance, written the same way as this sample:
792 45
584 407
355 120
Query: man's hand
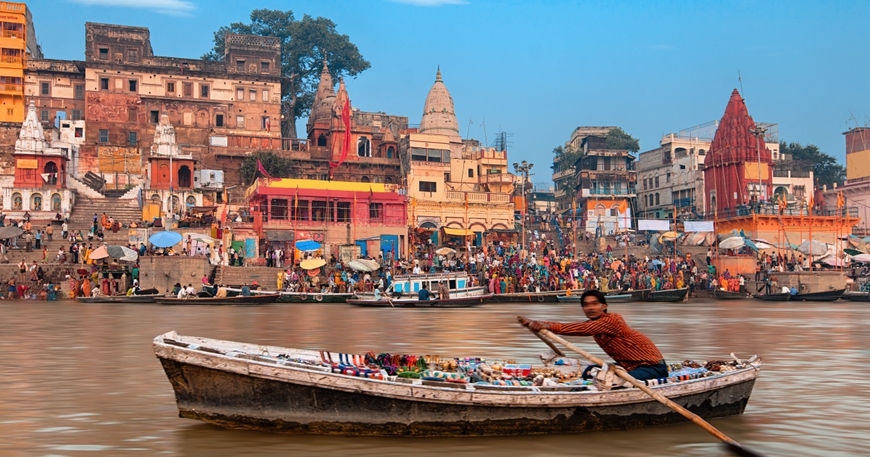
533 325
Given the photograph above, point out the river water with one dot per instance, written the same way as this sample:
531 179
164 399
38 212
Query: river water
81 379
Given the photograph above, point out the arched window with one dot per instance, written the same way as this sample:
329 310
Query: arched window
155 198
36 202
321 140
391 151
388 180
364 179
50 169
364 147
55 202
614 210
17 201
191 200
600 210
657 199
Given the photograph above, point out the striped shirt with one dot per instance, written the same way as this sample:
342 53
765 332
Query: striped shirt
627 346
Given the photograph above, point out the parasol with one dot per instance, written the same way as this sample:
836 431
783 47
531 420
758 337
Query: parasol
833 261
165 239
10 231
129 255
668 236
307 245
445 251
358 266
763 244
115 252
101 252
311 264
733 242
813 248
372 264
863 258
750 244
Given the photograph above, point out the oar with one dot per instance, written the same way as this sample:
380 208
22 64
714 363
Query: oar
732 445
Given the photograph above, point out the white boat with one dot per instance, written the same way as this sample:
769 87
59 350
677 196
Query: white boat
406 286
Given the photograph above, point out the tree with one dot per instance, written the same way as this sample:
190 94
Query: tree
618 139
566 156
275 165
826 169
305 45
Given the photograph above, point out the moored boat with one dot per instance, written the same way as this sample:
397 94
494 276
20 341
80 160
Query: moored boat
773 297
728 295
525 297
247 386
120 298
636 294
452 302
261 299
856 296
668 295
828 295
301 297
458 283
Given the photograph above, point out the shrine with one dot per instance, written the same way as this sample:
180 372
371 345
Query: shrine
170 184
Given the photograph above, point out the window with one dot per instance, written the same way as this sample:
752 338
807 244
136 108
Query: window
203 90
240 94
240 65
187 89
265 123
155 116
132 55
418 154
391 151
170 87
446 177
343 212
240 122
265 95
104 136
253 94
132 114
265 66
44 88
104 54
668 178
427 186
80 132
364 147
657 181
79 91
219 120
657 199
471 172
376 212
104 83
44 115
132 85
132 138
76 114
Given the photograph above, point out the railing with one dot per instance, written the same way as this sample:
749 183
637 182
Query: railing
12 87
267 143
478 197
619 192
681 202
499 178
772 209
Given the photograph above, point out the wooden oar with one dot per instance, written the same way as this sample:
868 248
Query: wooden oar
732 445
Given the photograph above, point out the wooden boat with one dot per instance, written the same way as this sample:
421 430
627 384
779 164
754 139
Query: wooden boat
526 297
261 299
856 296
458 283
773 297
616 298
301 297
636 294
668 295
120 298
452 302
829 295
729 295
258 387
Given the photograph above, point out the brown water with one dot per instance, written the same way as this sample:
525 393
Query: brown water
81 379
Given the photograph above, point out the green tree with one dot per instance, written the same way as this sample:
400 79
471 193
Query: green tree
618 139
565 156
826 169
305 44
275 165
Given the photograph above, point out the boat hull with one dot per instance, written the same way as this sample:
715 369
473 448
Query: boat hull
856 296
250 394
819 296
670 295
531 297
773 297
728 295
461 302
119 299
261 299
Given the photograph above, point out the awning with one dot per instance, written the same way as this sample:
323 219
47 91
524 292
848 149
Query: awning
279 235
457 232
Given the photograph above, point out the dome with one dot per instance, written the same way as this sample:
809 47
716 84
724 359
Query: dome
438 114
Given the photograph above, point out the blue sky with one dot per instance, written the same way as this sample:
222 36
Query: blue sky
539 69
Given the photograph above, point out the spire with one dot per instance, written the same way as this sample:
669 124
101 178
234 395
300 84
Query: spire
31 138
439 115
164 139
734 140
324 98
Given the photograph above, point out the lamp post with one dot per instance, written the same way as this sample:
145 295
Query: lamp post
523 169
759 132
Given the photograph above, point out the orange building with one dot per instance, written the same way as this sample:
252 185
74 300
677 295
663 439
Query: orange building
17 44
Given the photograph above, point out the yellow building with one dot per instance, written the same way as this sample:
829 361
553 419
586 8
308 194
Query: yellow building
17 44
457 188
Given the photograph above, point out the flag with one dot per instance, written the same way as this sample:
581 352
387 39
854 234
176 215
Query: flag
623 206
262 170
345 118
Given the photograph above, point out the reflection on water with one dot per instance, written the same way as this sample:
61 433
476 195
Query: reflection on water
81 379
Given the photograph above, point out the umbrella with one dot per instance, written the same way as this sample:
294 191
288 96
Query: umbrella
358 266
311 264
101 252
165 239
750 244
732 243
129 254
115 252
833 261
864 258
852 252
10 231
668 236
445 251
200 237
307 245
372 264
763 244
813 248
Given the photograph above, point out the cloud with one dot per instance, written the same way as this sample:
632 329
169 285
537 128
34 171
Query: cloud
431 2
170 7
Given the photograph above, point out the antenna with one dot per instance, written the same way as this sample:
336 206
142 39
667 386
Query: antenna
502 141
740 80
483 124
468 129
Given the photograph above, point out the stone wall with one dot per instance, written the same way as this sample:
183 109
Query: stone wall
164 271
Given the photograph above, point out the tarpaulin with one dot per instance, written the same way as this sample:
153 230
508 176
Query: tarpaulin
655 225
698 226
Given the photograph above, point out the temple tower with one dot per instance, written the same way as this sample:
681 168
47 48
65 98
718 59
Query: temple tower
439 116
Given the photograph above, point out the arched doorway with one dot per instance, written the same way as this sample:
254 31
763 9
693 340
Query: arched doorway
17 201
184 176
50 169
781 193
172 204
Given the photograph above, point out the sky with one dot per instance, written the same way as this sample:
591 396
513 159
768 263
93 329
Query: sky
537 70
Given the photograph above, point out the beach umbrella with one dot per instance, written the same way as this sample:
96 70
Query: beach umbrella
733 242
863 258
813 248
358 266
852 252
307 245
762 244
311 264
10 231
101 252
165 239
129 254
445 251
372 264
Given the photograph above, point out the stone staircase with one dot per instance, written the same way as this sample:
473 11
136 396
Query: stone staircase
236 276
124 211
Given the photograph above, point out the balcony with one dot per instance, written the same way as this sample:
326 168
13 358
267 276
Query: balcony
563 173
607 192
12 88
478 197
684 202
498 178
10 60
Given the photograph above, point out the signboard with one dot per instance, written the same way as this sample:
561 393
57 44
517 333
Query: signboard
348 252
29 164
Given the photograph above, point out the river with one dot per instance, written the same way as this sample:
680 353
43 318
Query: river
82 380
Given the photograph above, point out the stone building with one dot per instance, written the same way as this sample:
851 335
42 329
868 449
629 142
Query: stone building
459 190
18 45
855 191
170 174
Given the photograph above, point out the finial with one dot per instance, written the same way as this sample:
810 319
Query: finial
325 66
438 74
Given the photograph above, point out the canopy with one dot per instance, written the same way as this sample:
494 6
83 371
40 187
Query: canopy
115 252
813 248
863 258
200 237
457 232
10 231
372 264
668 236
445 251
852 252
833 261
311 264
733 242
165 239
762 244
307 245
